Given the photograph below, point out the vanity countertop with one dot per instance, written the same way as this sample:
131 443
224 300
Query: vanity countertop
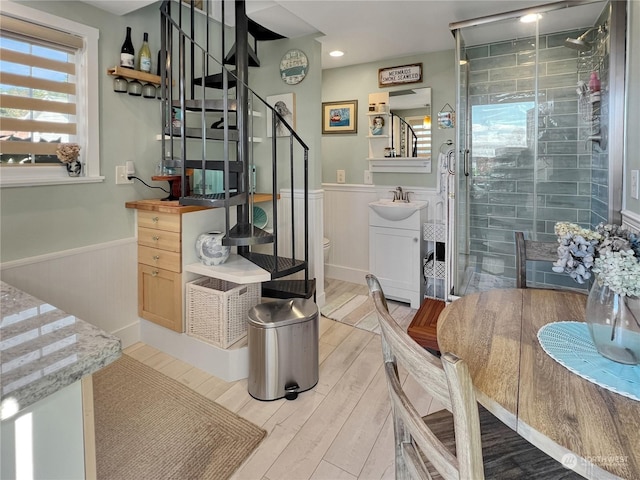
43 349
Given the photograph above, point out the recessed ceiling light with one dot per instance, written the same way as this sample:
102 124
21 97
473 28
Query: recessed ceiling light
336 53
532 17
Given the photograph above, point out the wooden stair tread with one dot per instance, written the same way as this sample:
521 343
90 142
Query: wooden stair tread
424 324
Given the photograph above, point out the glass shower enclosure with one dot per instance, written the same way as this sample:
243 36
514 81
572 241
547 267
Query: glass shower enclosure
538 139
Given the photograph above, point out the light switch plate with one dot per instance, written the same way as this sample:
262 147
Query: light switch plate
121 175
368 177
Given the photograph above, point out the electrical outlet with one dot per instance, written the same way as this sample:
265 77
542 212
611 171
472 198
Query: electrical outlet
340 175
634 184
121 175
368 178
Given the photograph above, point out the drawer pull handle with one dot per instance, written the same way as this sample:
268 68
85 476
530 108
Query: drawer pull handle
154 273
156 238
156 257
155 219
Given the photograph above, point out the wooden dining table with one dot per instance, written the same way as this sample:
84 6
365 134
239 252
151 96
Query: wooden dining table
588 428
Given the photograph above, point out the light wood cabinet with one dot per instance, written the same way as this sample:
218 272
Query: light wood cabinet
160 268
167 233
160 296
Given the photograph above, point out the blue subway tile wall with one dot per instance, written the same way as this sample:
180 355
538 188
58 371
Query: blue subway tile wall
511 190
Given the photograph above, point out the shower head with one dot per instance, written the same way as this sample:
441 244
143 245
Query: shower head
581 44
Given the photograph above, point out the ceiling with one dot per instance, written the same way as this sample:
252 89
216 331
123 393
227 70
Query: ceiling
376 30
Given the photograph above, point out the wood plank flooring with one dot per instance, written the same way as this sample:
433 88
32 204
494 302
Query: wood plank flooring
340 429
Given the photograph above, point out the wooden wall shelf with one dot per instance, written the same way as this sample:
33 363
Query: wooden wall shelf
130 74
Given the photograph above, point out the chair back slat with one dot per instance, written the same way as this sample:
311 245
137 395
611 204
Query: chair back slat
448 381
533 251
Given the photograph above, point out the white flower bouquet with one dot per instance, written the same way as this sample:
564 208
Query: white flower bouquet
68 152
611 252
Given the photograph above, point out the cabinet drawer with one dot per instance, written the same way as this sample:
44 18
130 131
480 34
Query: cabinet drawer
160 297
159 221
161 239
159 258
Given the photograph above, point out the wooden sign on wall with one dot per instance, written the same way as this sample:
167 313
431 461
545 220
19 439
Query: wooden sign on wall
400 75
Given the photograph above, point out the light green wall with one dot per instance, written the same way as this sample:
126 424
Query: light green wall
633 103
40 220
266 81
349 152
44 219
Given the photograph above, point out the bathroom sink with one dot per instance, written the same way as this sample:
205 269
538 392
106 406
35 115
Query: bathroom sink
390 210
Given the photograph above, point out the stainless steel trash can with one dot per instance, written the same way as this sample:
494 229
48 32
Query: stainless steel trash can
283 348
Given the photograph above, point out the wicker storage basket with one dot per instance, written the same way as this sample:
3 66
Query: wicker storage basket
217 310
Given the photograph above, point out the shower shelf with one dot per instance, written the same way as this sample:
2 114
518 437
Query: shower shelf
586 65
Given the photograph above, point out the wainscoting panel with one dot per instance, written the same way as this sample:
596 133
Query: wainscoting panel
631 220
97 283
346 225
316 259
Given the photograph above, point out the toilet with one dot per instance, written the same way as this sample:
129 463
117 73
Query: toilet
326 246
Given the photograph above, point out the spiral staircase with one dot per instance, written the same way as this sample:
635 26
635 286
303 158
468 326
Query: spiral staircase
205 88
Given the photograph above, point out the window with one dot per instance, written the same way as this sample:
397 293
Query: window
423 132
48 96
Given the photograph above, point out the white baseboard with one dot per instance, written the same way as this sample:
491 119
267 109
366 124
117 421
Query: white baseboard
346 274
128 335
228 364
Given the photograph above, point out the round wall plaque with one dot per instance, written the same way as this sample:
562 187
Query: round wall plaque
293 67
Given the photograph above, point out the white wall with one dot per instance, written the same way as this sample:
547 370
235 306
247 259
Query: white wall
97 283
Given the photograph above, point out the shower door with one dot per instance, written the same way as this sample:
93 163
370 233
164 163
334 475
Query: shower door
524 158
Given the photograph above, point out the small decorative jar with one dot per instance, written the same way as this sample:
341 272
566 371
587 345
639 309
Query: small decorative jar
209 248
614 324
74 168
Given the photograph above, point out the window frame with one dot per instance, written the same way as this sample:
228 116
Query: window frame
87 105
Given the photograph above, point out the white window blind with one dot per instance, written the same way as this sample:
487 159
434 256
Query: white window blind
48 95
37 82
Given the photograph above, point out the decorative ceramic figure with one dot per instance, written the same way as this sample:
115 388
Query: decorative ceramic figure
74 168
209 248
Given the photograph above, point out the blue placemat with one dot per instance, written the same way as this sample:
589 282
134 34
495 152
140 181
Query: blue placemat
570 344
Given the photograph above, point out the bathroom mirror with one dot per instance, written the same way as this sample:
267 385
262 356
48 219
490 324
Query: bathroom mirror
411 119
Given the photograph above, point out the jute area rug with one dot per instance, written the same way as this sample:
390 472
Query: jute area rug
149 426
358 311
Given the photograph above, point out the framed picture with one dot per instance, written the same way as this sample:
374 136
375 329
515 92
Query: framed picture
285 105
340 117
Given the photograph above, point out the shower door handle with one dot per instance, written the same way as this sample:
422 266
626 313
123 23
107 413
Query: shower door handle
466 162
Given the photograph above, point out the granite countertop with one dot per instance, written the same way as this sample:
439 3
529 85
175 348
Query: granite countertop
43 349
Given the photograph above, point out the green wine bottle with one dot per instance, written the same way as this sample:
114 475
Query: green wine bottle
144 58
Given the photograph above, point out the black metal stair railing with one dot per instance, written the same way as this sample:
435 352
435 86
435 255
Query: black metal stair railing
197 103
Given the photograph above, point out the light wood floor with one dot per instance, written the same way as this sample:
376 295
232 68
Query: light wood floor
340 429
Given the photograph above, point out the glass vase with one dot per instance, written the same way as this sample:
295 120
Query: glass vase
614 324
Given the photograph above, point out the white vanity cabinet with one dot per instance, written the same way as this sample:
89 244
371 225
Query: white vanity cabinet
396 251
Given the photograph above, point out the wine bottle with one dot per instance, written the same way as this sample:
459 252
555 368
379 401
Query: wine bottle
127 53
167 63
144 58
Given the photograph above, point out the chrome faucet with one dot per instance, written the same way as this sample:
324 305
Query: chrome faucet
399 195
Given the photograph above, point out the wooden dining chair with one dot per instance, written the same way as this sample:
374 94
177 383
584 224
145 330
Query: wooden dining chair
533 251
462 442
